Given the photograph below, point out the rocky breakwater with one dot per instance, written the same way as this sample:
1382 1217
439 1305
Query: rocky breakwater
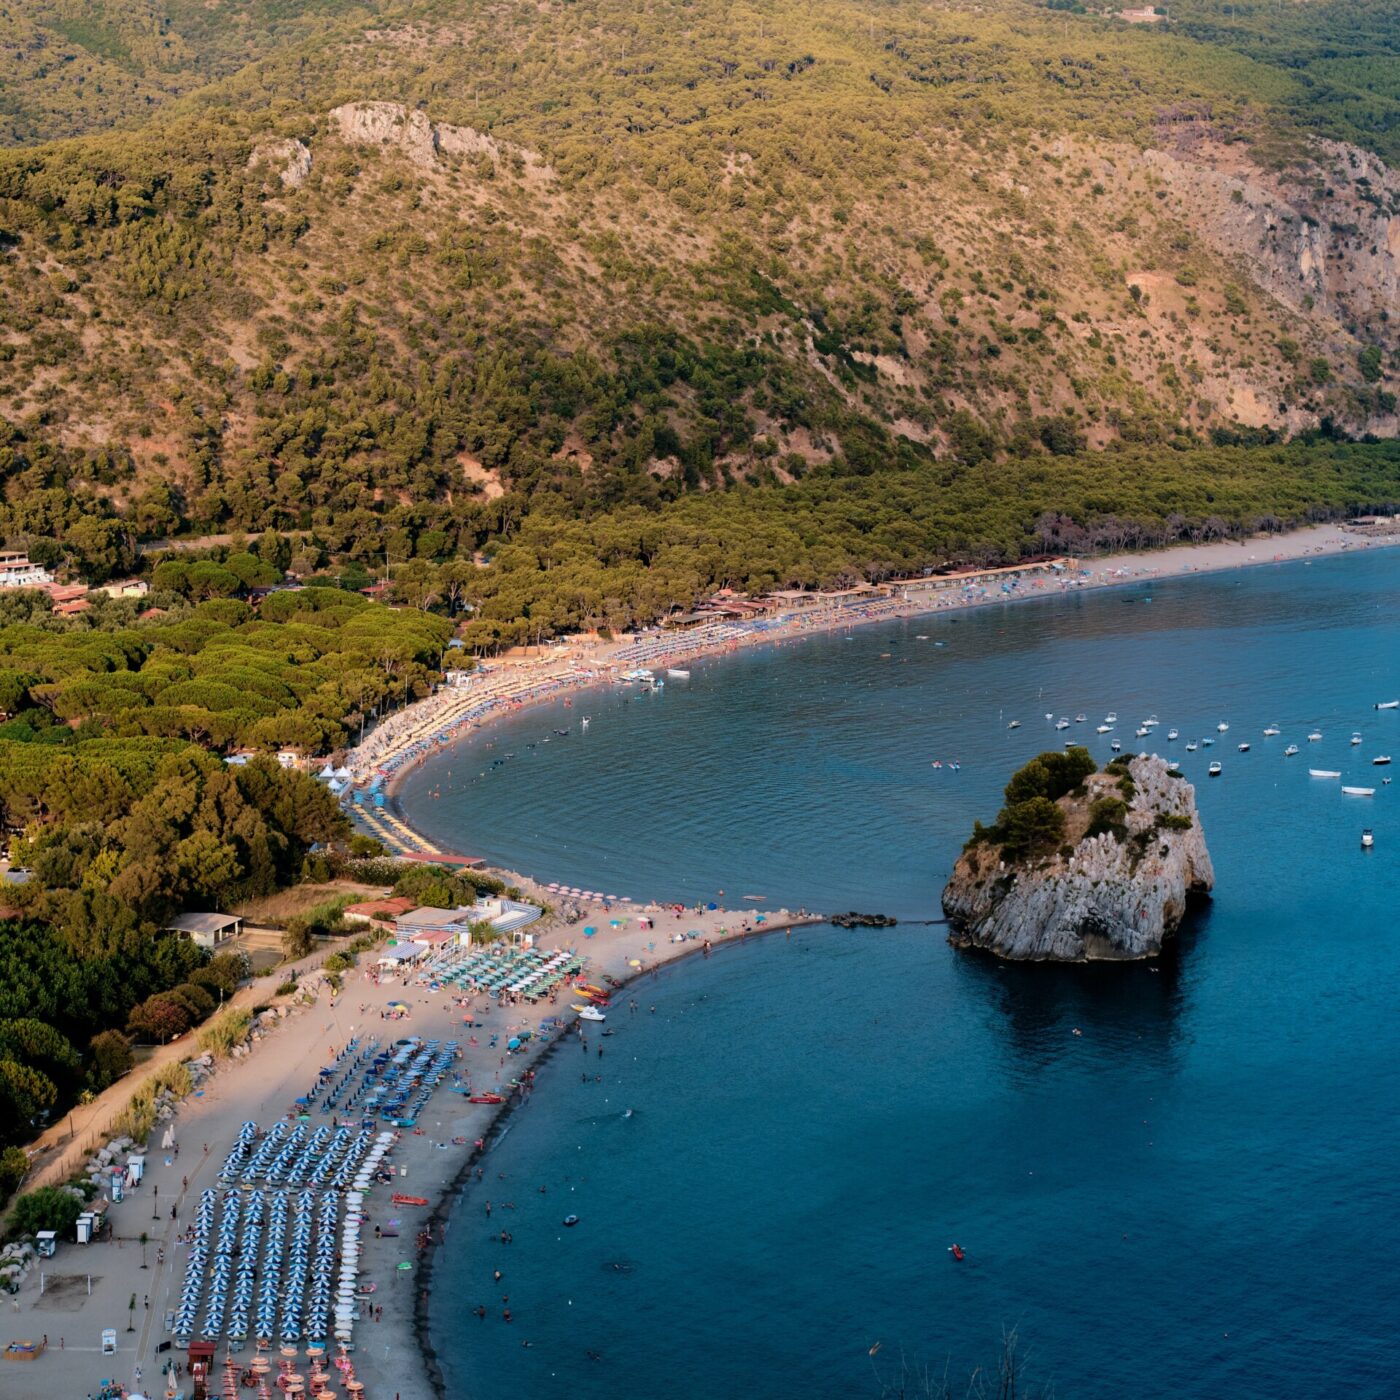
1081 865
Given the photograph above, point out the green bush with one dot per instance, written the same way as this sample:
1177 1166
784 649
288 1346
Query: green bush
48 1208
1173 821
1108 814
109 1057
14 1166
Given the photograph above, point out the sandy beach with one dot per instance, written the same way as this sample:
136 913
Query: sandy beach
85 1289
499 688
88 1288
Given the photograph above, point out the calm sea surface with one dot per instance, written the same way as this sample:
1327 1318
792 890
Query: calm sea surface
1196 1196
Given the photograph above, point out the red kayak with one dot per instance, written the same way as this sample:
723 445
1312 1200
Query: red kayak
408 1200
956 1251
486 1098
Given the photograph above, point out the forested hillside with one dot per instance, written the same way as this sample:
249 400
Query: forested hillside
410 277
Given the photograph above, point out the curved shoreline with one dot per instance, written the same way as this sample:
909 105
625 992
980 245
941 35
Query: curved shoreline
434 725
447 1199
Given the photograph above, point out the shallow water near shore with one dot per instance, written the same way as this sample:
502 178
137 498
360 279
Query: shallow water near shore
1194 1196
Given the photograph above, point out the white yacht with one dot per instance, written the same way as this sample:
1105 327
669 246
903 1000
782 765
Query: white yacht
1367 840
1315 736
1380 760
1271 730
1243 748
1111 717
1191 747
1290 750
1222 726
1061 724
1214 770
1355 740
1105 728
1173 734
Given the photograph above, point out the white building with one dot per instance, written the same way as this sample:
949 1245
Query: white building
16 571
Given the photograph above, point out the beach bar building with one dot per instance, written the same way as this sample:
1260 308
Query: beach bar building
208 930
507 918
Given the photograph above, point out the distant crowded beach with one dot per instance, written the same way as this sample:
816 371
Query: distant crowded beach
494 689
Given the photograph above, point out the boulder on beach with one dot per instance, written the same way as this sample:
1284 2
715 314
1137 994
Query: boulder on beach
1081 865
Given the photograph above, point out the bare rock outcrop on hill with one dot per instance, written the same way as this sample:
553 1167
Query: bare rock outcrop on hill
1116 894
424 142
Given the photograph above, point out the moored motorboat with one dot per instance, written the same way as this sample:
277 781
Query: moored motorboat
1061 724
1143 731
1389 705
1105 728
1111 717
1272 729
1380 760
1015 724
1315 736
1323 773
1290 750
1173 734
1355 739
589 1013
1359 791
1115 746
1222 726
1243 748
1079 719
1367 839
1214 770
1191 747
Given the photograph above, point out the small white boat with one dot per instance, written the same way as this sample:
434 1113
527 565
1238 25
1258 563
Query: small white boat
1111 717
1359 792
1323 773
1015 724
1061 724
1079 719
589 1013
585 722
1191 747
1389 705
1115 746
1173 734
1290 750
1143 731
1222 726
1243 748
1271 730
1380 760
1214 770
1355 740
1367 840
1105 729
678 673
1207 743
1315 736
1152 719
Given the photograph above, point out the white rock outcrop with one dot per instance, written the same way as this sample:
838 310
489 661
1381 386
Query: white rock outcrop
292 160
391 124
1110 898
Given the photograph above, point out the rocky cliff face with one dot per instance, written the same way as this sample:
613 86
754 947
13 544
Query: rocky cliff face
1115 895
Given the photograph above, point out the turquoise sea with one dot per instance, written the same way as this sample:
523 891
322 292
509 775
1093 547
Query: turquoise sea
1198 1195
